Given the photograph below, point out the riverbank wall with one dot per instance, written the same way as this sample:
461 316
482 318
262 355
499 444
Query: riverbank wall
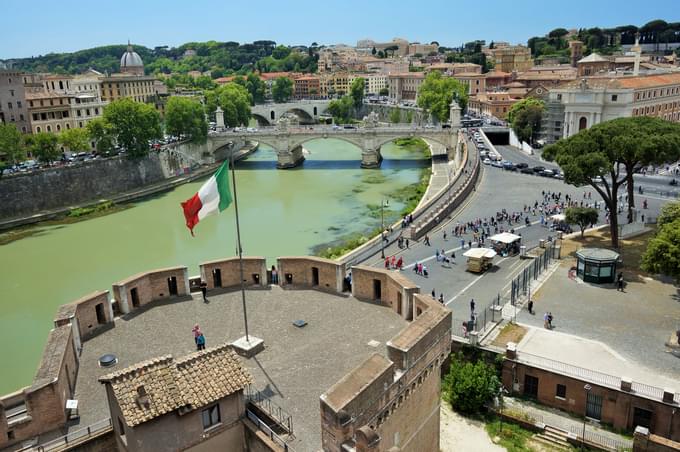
48 194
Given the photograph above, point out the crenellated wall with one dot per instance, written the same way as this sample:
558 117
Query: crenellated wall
299 272
391 402
143 288
254 272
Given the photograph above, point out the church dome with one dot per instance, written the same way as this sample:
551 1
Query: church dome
131 61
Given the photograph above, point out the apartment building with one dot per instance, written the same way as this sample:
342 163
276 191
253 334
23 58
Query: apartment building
405 86
13 106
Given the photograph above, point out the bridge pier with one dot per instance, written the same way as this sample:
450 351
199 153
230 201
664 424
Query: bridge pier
371 158
290 158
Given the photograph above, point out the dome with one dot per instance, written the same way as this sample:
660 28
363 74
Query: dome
131 61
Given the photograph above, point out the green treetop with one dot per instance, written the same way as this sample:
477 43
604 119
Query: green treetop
357 91
76 140
234 100
12 148
437 92
186 117
44 146
282 89
133 125
525 118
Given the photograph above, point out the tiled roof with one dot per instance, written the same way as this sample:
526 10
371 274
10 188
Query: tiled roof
650 81
192 382
593 58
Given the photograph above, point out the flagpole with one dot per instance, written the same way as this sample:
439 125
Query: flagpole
238 244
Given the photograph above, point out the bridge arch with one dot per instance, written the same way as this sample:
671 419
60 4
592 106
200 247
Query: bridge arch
416 135
356 142
302 114
261 119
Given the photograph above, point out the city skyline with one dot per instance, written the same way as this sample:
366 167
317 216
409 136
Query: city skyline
149 25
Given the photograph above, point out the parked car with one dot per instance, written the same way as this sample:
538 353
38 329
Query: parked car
526 171
486 161
559 175
538 169
547 173
497 164
521 165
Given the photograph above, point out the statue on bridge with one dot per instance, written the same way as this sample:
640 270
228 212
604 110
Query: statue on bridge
286 120
371 121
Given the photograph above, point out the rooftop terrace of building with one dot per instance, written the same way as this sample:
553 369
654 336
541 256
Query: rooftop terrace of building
296 367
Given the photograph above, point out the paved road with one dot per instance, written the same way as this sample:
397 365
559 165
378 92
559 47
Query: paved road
498 189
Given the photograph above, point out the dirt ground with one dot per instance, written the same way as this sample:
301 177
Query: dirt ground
461 434
510 333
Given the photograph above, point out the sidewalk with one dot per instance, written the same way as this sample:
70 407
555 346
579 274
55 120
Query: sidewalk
563 421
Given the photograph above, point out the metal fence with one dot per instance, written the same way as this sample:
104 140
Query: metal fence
521 284
278 414
76 436
262 426
601 440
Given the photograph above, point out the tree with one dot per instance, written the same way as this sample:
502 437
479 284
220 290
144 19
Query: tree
43 145
341 109
469 386
608 148
384 91
186 117
234 100
669 213
648 140
395 115
357 91
373 51
101 132
437 93
663 251
525 118
582 216
133 125
282 90
409 116
76 140
12 147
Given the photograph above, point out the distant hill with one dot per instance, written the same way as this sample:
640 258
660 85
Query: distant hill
221 58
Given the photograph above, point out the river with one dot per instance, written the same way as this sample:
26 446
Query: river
283 212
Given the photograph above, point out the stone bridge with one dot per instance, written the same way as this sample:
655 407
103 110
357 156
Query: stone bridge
288 142
308 111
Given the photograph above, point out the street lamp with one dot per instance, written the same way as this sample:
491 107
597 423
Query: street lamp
383 203
587 388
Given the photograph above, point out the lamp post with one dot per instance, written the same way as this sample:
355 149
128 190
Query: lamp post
587 389
500 402
383 203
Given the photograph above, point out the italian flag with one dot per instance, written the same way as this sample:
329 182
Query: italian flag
214 196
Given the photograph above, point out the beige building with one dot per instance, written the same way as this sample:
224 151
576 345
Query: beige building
13 105
193 402
373 83
594 100
130 82
334 84
496 104
512 58
476 82
405 86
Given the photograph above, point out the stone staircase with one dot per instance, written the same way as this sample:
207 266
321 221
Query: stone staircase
553 439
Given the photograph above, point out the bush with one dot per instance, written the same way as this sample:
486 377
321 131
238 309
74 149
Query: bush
468 386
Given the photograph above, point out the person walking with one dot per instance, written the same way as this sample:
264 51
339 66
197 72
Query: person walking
200 342
275 275
545 320
619 282
407 243
441 298
531 306
472 306
550 319
196 330
453 257
204 291
427 240
434 295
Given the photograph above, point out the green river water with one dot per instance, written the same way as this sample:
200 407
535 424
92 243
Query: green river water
283 212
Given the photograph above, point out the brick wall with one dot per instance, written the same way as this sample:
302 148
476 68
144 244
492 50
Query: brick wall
396 291
298 272
371 408
643 441
149 286
85 312
229 272
618 406
45 400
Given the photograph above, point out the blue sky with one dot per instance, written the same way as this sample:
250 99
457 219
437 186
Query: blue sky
39 26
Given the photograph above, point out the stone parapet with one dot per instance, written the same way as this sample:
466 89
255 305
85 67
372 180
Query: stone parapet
225 273
311 273
143 288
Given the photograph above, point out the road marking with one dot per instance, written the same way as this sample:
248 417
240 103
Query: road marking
475 281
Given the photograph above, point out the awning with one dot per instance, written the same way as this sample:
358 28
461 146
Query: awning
558 217
505 237
478 253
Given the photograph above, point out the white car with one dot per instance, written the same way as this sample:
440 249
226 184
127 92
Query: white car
486 161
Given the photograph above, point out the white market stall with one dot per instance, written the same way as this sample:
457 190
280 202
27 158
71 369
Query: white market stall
506 243
479 259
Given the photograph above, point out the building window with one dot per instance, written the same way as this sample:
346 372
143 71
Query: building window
9 105
49 128
211 417
11 92
615 97
21 117
559 97
67 126
58 127
38 129
561 391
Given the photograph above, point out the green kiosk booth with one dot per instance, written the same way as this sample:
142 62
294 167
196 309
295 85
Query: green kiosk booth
596 265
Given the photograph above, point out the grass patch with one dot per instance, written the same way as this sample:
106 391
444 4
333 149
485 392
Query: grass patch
73 216
411 195
415 143
513 437
374 177
346 244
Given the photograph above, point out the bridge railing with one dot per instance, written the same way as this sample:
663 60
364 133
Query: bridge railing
337 129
